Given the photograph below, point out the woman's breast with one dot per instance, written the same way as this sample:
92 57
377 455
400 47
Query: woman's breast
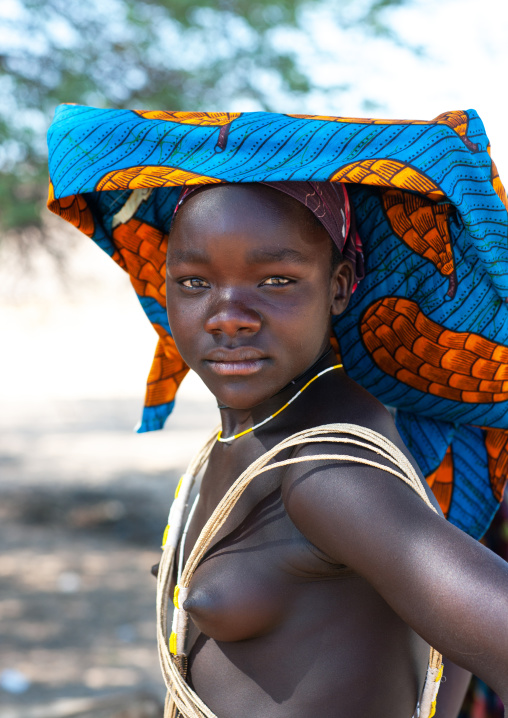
284 632
251 580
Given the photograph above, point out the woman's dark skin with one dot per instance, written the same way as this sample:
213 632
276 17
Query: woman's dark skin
321 593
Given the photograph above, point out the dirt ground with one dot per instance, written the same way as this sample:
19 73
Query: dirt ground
83 504
83 500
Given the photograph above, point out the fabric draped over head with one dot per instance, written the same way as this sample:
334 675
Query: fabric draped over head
426 330
329 203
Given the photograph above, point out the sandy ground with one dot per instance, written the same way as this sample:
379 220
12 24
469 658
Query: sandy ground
81 518
83 499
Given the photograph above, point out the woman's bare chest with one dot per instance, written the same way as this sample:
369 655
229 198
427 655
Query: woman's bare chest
256 576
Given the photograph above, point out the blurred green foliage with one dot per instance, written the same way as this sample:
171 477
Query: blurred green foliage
165 54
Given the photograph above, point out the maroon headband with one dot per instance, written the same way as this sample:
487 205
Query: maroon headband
329 203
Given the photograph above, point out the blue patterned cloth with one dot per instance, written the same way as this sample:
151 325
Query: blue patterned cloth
427 329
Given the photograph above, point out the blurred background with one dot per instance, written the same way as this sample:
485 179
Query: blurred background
83 500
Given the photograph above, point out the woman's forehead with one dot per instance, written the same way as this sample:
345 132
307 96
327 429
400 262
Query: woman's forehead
228 197
244 209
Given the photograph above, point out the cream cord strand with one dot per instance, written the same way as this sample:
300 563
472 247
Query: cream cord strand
171 671
183 698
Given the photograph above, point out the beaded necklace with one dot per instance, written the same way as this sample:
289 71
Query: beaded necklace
272 416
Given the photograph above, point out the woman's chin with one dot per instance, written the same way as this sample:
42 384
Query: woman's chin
240 391
241 400
238 404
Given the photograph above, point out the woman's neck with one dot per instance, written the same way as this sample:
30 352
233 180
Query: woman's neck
234 421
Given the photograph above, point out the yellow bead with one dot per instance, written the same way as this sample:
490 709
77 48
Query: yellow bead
165 536
172 643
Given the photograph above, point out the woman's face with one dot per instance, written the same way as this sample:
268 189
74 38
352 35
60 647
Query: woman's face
250 291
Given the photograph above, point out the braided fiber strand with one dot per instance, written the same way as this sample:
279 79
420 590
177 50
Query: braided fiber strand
179 697
379 445
182 696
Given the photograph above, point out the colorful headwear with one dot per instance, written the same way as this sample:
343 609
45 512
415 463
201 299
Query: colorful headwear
427 329
329 203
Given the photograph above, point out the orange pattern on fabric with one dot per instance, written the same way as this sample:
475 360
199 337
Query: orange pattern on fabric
423 226
151 176
460 366
203 119
457 120
336 348
360 120
74 209
387 173
167 371
141 251
496 443
441 482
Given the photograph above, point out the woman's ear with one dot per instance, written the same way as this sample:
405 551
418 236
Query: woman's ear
343 277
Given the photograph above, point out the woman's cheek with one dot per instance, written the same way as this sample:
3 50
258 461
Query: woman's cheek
181 324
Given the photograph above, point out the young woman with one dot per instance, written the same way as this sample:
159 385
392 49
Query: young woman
329 580
308 583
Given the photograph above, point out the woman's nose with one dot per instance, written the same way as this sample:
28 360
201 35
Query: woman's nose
232 318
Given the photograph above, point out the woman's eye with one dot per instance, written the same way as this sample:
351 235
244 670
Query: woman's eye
277 281
194 283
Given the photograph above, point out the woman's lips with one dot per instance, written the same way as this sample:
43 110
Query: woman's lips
235 362
243 367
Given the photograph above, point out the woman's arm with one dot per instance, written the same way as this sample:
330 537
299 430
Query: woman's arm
449 588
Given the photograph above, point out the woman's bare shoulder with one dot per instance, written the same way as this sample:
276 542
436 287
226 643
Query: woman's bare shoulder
346 402
349 403
361 407
360 482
